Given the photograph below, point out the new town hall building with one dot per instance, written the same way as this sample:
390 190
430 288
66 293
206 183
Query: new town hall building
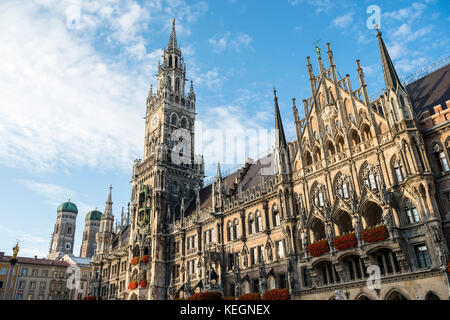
365 183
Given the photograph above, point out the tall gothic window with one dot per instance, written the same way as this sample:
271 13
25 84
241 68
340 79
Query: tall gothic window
259 226
411 212
251 224
229 231
371 177
173 119
318 195
399 170
235 229
177 85
343 186
441 158
276 216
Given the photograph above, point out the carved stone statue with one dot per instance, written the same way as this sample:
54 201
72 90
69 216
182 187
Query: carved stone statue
15 251
290 276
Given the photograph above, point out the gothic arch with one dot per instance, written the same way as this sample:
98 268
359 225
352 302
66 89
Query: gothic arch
432 296
371 213
362 296
395 294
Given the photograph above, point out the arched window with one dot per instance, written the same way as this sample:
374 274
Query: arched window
371 177
340 144
177 85
229 231
355 137
411 212
184 123
174 187
276 216
251 224
394 108
169 83
259 223
308 158
174 119
318 195
330 148
343 186
236 229
398 169
170 61
441 158
176 62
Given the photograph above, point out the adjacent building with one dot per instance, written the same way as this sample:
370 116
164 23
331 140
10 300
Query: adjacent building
36 279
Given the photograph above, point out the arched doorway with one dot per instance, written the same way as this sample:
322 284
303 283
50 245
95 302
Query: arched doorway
372 214
431 296
343 222
134 297
395 295
318 230
362 297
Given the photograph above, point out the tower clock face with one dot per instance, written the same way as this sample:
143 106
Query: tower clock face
68 245
54 245
155 121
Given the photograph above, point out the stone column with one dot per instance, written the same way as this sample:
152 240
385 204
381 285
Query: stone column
12 264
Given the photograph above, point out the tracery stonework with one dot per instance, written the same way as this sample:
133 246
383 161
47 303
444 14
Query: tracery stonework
357 165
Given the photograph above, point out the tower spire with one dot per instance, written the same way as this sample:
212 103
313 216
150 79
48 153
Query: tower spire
219 174
281 138
108 208
390 74
173 37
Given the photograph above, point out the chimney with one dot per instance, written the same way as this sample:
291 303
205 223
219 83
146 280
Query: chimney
35 257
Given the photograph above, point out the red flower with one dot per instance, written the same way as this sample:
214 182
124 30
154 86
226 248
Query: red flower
250 296
206 296
277 294
133 285
345 241
375 234
144 259
143 284
448 268
318 248
134 261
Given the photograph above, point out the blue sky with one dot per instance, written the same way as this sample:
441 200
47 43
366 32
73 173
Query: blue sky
74 77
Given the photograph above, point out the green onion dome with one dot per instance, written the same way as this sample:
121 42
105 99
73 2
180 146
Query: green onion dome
67 207
93 215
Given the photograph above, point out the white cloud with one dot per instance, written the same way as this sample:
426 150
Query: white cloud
66 104
410 13
222 41
343 21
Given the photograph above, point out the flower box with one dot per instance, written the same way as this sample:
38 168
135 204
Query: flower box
133 285
143 284
448 269
375 234
144 259
277 294
250 296
134 261
345 241
206 296
318 248
229 298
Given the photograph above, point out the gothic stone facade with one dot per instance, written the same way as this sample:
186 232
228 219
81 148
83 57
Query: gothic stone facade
356 164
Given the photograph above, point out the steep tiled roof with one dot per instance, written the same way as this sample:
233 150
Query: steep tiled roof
250 179
36 261
430 91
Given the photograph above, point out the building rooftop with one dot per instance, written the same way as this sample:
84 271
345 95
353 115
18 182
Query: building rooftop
36 261
430 91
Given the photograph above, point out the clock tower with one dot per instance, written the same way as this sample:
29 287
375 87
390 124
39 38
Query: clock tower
63 236
165 180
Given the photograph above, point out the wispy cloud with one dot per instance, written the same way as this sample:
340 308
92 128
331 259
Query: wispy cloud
343 21
222 41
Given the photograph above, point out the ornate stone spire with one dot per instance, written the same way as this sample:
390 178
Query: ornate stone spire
390 74
281 138
108 208
173 38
